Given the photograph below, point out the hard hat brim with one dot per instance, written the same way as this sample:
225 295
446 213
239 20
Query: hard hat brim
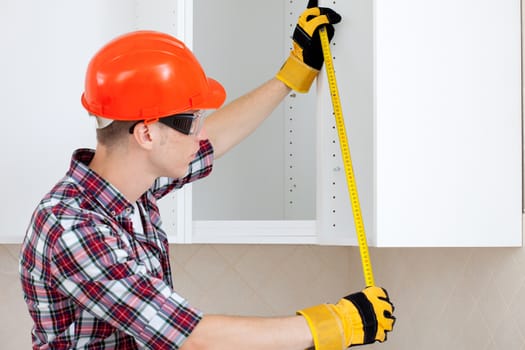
216 97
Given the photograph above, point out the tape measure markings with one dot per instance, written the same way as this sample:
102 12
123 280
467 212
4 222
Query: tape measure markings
347 159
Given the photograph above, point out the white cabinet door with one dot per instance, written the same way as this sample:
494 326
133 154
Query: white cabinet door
46 46
432 97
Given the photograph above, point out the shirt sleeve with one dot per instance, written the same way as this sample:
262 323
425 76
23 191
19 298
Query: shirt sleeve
200 167
96 269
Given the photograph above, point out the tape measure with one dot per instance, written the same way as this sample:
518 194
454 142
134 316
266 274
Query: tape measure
347 159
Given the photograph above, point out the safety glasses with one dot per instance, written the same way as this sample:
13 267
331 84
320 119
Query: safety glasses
186 123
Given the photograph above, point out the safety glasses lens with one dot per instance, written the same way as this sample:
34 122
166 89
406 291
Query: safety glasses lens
186 123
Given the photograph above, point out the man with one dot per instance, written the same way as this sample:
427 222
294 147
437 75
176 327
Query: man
94 265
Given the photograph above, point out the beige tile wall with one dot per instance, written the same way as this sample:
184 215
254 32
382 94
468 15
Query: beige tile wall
446 298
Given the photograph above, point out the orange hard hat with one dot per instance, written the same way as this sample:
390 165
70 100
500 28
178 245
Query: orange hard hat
145 75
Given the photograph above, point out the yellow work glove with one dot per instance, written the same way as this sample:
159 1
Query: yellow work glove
306 58
359 318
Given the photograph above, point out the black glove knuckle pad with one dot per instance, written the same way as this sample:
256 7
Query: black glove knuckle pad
312 54
368 315
302 38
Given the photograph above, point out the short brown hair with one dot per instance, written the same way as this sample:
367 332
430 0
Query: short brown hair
114 132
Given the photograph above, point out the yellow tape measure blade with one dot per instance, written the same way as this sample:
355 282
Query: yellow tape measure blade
347 160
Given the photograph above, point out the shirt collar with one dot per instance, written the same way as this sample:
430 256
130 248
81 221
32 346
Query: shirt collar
96 187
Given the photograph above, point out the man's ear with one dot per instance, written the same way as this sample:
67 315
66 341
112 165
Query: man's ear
142 135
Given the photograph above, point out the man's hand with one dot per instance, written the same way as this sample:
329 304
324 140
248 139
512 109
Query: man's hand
359 318
306 57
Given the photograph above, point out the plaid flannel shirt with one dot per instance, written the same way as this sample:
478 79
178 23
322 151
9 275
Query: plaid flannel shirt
89 281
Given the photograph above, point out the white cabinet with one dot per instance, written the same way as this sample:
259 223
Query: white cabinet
431 93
